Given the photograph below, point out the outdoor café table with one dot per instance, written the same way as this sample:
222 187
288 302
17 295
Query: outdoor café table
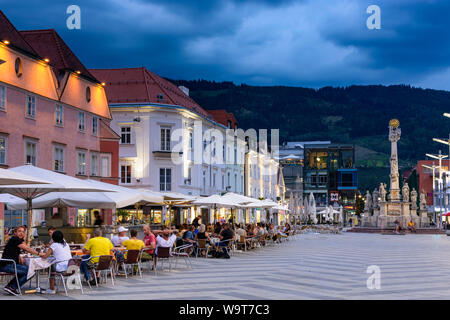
79 252
215 240
35 264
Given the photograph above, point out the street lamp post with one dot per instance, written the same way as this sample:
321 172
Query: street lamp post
439 156
433 167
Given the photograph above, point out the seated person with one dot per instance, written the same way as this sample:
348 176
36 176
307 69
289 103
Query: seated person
61 251
12 251
202 235
242 233
50 232
96 246
150 244
411 226
166 239
217 228
121 237
272 232
287 228
226 236
133 243
189 235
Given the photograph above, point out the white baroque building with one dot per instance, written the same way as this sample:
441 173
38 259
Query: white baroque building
166 138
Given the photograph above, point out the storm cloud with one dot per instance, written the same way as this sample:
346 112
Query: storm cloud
309 43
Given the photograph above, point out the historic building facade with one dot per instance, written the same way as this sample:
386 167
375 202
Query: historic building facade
166 139
53 112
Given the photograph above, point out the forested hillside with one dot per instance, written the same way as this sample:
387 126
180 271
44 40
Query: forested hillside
355 114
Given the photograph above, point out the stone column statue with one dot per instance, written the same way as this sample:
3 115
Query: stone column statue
405 192
414 199
423 200
383 192
394 136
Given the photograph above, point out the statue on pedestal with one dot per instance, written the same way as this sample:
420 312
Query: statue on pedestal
383 192
375 198
368 202
423 201
414 199
405 192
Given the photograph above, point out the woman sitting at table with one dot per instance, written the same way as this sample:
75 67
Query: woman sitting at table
61 251
202 234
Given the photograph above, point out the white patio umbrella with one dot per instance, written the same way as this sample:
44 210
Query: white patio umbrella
332 212
58 183
238 198
279 207
121 197
306 208
173 199
8 177
312 208
216 201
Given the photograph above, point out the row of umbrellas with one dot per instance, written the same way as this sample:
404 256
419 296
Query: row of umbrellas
29 187
306 209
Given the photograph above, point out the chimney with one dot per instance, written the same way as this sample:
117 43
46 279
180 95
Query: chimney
184 89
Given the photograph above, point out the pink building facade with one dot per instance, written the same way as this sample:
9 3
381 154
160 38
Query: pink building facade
53 112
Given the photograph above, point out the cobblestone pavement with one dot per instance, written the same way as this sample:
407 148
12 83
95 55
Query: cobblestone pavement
315 266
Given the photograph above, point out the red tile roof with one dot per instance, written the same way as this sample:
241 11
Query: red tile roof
222 116
10 33
50 45
139 85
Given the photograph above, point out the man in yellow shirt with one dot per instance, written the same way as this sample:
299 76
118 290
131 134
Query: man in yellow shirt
97 246
411 226
133 243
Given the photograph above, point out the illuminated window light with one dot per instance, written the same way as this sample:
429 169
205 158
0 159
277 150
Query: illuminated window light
78 72
103 84
6 42
47 60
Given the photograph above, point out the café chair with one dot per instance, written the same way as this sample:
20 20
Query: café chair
162 253
65 274
183 251
10 273
133 259
227 247
202 246
104 266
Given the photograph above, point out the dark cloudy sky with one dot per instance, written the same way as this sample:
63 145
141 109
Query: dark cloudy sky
310 43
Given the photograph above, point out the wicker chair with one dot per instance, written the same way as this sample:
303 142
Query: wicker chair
202 246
